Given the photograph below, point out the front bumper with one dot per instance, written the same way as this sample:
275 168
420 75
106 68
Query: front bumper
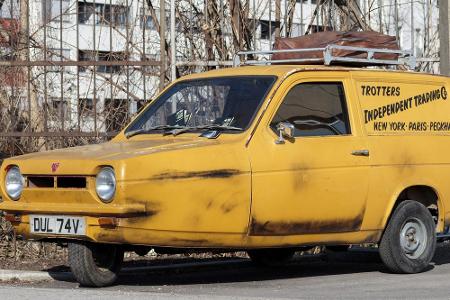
95 209
124 232
72 202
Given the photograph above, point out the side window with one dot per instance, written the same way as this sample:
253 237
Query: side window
315 109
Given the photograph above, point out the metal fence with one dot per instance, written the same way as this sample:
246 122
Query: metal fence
74 71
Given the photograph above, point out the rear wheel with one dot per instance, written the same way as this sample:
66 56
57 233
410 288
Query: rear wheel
271 257
95 265
409 241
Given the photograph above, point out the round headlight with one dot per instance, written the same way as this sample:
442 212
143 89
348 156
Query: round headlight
105 184
14 183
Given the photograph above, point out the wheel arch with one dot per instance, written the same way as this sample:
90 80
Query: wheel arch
422 193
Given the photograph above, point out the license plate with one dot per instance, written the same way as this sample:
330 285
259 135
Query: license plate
57 225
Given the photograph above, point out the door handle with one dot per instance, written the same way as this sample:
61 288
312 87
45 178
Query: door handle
363 152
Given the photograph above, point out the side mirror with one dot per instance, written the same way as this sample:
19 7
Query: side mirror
285 130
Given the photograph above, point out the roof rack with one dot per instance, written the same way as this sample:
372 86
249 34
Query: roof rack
403 57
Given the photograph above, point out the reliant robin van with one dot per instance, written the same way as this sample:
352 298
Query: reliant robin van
267 159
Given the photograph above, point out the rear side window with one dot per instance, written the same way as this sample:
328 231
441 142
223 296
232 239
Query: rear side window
315 109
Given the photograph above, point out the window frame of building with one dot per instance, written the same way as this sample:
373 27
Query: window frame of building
84 15
115 15
265 26
146 19
83 56
297 29
54 108
10 10
85 108
151 70
319 28
120 15
54 54
51 14
110 56
90 55
140 104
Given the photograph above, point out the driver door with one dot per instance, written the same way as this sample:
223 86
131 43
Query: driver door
317 181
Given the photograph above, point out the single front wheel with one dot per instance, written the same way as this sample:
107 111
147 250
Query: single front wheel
95 265
409 241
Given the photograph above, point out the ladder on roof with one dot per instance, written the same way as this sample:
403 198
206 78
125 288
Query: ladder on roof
403 57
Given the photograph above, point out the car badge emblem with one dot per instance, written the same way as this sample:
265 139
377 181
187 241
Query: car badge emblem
55 166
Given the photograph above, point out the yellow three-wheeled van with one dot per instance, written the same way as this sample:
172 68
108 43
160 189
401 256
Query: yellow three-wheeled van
267 159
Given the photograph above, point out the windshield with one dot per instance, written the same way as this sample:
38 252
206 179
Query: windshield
230 102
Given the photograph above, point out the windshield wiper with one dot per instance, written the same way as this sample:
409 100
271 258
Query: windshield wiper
209 127
148 130
220 127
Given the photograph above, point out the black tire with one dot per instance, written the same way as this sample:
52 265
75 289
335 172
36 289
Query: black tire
394 253
271 257
95 265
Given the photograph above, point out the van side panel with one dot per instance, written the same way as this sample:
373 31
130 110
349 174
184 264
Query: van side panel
406 117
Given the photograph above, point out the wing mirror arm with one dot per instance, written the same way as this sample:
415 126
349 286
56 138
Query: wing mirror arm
285 130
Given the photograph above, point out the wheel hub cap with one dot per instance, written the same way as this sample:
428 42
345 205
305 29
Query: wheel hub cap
413 238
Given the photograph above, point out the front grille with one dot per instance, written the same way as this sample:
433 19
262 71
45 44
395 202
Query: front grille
41 181
61 182
71 182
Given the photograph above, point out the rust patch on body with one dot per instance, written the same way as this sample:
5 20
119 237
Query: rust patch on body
374 237
209 204
151 208
301 175
220 173
192 243
110 235
139 220
228 207
307 227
